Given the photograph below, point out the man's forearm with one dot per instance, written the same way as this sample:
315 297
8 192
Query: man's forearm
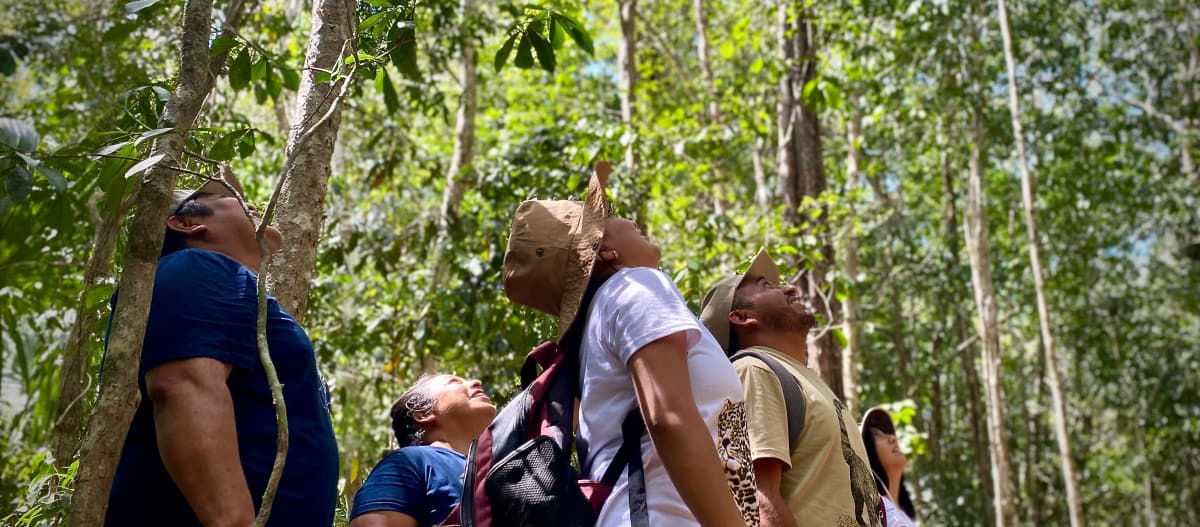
773 511
197 439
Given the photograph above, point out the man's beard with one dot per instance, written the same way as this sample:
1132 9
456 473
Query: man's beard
787 319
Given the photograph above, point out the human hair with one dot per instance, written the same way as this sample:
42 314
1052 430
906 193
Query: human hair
174 241
417 400
904 501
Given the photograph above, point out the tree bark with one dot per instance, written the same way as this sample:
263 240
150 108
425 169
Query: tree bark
714 107
966 359
458 177
985 302
800 167
1062 434
850 265
627 65
302 203
119 394
69 423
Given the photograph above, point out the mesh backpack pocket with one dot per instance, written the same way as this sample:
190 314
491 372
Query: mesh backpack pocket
536 485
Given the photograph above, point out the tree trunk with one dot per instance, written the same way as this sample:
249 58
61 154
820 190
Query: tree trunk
627 65
119 394
714 107
850 265
1074 504
985 302
459 175
762 191
804 176
302 204
69 424
966 359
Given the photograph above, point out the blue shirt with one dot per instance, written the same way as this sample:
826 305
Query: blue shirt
205 305
424 482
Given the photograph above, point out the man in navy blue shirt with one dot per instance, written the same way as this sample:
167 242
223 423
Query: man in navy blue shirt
202 443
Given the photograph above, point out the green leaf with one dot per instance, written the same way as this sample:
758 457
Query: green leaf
260 93
240 71
291 78
222 150
372 20
258 70
381 3
575 30
19 183
221 45
144 164
245 146
8 62
138 5
274 84
504 51
545 50
557 36
151 134
403 38
18 135
524 58
384 83
119 31
53 176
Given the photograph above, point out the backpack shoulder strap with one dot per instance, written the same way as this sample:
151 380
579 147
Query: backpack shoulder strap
793 394
630 456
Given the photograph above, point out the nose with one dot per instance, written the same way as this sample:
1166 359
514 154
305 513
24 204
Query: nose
475 383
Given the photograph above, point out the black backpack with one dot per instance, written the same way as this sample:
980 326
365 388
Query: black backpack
793 394
519 471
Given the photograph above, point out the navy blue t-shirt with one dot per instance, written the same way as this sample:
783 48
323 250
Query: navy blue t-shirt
424 482
205 305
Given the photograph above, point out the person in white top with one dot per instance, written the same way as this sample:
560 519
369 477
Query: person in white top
888 463
639 347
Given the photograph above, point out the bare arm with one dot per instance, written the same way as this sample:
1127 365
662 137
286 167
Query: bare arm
197 439
773 510
384 519
664 392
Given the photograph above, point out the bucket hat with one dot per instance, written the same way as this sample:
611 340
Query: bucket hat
551 248
718 302
879 419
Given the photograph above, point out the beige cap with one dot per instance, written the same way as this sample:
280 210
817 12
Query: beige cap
718 302
551 248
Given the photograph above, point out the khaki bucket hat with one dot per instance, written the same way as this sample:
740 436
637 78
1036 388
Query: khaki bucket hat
718 302
551 248
212 186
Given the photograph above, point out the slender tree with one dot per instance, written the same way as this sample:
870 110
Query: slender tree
850 264
989 332
714 100
458 177
119 394
1062 434
627 66
801 168
302 203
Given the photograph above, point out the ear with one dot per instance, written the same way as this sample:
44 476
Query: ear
743 318
186 225
425 418
608 255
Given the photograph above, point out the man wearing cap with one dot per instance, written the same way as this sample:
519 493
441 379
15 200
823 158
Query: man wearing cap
202 442
825 478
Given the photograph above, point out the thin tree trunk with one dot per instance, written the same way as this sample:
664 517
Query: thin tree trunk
985 301
1074 503
69 424
762 191
850 265
627 65
302 203
800 167
459 175
714 107
119 394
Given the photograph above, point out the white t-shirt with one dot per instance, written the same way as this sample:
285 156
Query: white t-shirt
633 308
895 515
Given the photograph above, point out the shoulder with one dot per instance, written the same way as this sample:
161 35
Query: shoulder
637 280
196 265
